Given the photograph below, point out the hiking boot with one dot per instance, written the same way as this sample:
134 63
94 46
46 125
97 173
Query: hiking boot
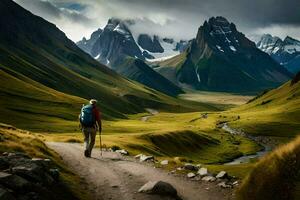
86 153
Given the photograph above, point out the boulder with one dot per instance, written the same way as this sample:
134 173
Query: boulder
203 171
123 152
189 166
6 195
159 188
144 158
191 175
31 172
222 174
138 156
164 162
208 178
14 182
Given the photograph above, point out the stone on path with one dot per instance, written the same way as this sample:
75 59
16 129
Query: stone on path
144 158
164 162
221 175
224 185
159 188
191 175
123 152
202 171
189 166
208 178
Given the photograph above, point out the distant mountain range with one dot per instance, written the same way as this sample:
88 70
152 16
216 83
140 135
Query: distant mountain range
286 52
104 47
223 59
116 47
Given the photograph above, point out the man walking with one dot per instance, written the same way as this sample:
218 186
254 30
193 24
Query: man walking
90 121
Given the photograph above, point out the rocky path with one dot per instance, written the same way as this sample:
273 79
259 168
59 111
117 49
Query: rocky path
113 176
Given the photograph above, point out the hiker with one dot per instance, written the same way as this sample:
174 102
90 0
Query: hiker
90 122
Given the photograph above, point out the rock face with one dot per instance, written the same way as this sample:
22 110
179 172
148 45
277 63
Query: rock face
115 44
87 44
286 52
159 188
150 44
26 178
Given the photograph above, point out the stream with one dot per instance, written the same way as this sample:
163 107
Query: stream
246 158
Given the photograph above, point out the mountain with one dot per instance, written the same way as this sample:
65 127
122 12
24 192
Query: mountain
223 59
286 52
87 44
116 47
151 47
45 77
151 44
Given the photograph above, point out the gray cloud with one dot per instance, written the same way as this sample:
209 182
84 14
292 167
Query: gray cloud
172 18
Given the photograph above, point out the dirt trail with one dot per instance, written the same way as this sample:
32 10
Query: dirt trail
115 177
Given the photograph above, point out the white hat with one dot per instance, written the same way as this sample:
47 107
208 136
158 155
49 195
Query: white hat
93 101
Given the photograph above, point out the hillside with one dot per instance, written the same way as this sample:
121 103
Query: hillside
276 176
45 73
274 113
222 59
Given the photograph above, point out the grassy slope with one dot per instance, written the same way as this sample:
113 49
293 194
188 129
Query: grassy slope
276 176
276 113
162 134
16 140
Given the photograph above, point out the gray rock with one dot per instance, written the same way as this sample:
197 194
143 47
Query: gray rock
31 172
164 162
144 158
203 171
138 156
14 182
5 154
54 173
191 175
235 183
3 163
123 152
224 185
159 188
221 175
6 195
208 178
189 166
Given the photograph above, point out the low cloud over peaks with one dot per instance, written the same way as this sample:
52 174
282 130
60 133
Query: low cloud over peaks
172 18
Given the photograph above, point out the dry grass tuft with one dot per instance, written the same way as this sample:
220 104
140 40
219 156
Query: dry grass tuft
276 176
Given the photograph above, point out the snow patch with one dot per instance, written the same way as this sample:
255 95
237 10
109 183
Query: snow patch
98 56
232 48
220 48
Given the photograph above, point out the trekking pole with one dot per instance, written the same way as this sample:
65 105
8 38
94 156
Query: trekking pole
100 143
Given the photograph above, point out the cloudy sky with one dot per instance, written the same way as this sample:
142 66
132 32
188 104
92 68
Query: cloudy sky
179 19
